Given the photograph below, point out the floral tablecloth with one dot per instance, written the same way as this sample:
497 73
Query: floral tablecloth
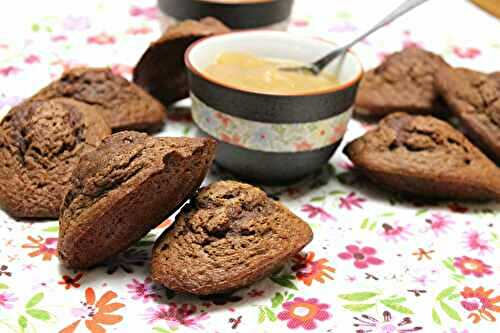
378 263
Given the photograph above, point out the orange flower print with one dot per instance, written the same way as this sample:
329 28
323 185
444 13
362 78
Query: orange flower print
472 266
101 39
47 248
479 304
234 139
95 314
308 270
225 120
303 146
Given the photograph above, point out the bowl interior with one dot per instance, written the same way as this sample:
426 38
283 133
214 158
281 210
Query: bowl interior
273 44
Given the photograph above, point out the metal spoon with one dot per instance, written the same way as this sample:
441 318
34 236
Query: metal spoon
316 67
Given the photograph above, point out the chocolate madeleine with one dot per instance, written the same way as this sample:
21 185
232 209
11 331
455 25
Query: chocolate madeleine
474 97
124 105
229 236
130 184
424 156
40 145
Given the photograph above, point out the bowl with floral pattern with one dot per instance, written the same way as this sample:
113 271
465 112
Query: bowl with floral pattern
264 137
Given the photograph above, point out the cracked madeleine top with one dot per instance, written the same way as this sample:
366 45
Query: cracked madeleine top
131 183
40 144
403 82
123 104
229 236
474 98
425 156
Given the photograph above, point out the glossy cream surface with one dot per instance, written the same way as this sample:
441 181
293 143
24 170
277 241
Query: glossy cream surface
247 72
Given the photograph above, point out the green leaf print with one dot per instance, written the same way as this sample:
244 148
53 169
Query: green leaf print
358 297
458 277
397 307
445 293
364 224
37 298
388 214
23 322
394 300
52 229
38 314
270 314
284 281
262 316
421 212
277 300
316 199
337 193
454 296
3 286
358 307
435 317
372 226
35 27
450 311
448 263
161 330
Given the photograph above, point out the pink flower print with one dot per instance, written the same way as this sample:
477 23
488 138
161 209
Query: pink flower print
151 13
32 59
439 224
120 69
101 39
362 257
304 313
6 300
59 38
466 53
314 211
175 316
9 70
474 242
75 23
143 290
395 232
381 56
408 41
351 200
454 330
300 23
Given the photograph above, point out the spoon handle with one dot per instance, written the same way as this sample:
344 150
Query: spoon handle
402 9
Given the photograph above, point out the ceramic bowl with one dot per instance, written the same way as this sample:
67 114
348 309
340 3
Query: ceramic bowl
236 14
267 138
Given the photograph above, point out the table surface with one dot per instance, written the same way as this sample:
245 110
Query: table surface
431 266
